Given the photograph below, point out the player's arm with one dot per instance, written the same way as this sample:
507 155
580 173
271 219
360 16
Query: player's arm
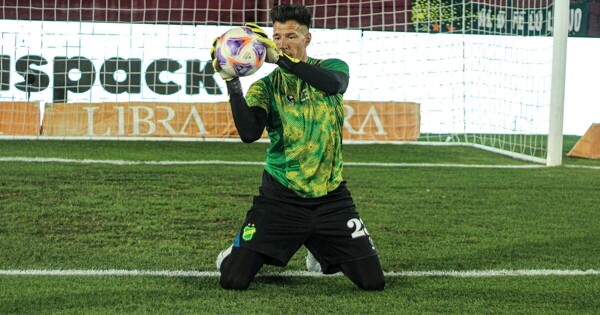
249 121
326 80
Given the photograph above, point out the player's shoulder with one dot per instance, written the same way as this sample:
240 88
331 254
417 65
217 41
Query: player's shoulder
330 63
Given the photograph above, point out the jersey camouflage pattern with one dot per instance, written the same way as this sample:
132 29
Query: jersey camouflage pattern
305 127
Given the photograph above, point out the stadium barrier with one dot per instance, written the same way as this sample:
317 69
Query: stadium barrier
393 121
139 119
20 118
387 121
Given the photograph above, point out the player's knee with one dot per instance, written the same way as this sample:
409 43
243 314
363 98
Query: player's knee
231 282
238 270
373 284
365 273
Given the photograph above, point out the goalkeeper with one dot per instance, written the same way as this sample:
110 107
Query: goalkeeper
303 198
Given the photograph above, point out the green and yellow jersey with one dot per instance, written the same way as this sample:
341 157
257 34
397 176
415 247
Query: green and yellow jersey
305 128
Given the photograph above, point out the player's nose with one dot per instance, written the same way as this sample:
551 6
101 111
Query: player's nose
282 43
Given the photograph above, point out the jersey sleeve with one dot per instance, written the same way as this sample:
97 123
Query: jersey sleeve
258 95
336 65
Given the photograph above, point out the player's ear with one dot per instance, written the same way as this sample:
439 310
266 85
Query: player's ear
308 38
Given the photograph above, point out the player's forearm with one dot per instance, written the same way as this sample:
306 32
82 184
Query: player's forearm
328 81
249 121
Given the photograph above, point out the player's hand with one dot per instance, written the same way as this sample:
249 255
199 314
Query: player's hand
272 53
216 65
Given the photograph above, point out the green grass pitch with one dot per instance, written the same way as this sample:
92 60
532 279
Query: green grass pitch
513 232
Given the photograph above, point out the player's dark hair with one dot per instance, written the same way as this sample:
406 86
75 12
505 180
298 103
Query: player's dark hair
286 12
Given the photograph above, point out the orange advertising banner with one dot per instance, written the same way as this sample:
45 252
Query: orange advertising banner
139 119
393 121
364 120
20 118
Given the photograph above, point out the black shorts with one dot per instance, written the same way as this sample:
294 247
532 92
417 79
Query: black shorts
280 222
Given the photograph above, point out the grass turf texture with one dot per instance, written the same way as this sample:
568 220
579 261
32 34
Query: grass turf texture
336 295
148 217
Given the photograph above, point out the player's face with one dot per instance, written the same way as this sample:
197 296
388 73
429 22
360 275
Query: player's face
291 38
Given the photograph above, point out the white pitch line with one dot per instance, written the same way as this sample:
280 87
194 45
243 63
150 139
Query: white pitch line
183 273
124 162
221 162
253 163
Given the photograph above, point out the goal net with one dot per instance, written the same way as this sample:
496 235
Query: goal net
422 71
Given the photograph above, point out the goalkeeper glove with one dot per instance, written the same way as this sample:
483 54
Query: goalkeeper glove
233 83
215 63
273 55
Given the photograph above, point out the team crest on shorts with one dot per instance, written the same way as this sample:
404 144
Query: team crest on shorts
248 232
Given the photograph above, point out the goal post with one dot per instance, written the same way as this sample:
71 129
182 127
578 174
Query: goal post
559 61
482 73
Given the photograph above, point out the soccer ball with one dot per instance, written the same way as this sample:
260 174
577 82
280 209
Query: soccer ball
239 53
